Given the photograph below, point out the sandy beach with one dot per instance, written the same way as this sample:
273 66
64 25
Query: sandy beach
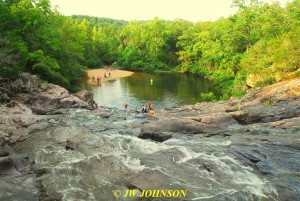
114 74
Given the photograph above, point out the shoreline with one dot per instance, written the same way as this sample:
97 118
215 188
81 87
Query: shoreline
114 74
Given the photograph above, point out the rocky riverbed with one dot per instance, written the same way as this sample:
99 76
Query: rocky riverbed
55 147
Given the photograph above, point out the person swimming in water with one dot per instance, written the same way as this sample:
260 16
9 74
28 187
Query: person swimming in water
150 105
126 106
144 109
95 105
151 112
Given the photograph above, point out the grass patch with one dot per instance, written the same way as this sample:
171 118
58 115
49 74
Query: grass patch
207 97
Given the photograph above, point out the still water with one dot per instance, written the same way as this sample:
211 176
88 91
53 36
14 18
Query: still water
165 90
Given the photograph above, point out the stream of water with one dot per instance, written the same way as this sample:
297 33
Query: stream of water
111 158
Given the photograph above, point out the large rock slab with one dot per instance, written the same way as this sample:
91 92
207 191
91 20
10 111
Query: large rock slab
52 98
160 130
44 98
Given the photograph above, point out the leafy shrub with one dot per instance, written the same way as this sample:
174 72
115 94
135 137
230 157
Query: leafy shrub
45 73
239 85
210 96
265 82
267 102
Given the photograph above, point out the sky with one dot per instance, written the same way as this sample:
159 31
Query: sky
191 10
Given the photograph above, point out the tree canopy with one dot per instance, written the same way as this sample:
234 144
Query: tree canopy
260 39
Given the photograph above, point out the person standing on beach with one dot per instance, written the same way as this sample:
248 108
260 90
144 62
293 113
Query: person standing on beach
99 79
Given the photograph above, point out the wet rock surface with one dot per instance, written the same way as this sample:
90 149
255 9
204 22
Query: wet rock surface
43 98
244 149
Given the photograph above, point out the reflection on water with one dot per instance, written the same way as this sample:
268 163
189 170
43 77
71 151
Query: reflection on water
165 90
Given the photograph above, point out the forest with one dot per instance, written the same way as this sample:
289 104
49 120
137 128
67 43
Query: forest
257 46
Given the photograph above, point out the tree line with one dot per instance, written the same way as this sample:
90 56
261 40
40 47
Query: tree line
261 41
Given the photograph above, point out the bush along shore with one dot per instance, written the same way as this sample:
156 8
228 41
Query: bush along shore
52 142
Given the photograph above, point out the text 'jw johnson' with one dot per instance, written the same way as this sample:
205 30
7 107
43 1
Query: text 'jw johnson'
151 193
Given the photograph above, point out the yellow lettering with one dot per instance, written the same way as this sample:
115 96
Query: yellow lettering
148 193
142 195
176 193
126 194
183 192
164 193
130 193
169 194
156 193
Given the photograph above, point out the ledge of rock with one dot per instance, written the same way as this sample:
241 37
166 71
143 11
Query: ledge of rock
43 98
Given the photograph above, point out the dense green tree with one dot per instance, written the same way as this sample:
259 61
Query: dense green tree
147 41
259 39
277 52
175 29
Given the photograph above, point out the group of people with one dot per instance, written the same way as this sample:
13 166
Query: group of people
148 110
106 75
98 79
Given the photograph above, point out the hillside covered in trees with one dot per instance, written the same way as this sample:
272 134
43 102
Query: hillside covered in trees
260 42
